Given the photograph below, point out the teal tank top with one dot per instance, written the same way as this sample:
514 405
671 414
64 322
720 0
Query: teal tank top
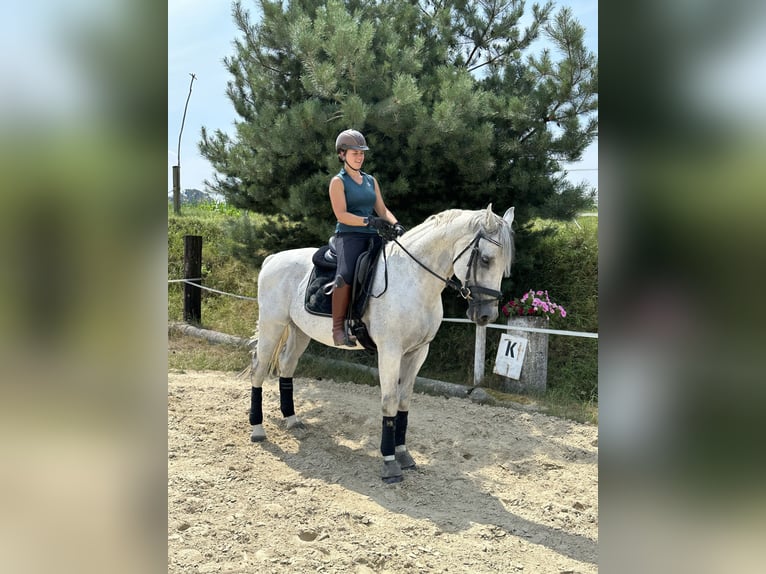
360 200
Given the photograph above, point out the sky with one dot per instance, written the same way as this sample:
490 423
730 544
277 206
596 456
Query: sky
202 32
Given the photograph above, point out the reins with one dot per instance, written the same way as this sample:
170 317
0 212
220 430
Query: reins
453 284
466 291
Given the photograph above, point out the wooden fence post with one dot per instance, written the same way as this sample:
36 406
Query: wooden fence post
177 189
193 271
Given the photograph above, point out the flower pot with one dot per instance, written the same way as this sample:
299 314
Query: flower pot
534 369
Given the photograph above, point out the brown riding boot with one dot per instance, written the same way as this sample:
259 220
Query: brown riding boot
340 299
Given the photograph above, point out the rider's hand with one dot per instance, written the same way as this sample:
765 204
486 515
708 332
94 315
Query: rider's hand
377 223
399 229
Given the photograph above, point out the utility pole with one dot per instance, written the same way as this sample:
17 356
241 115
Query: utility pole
177 167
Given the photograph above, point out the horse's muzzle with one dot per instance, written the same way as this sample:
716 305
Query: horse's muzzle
483 313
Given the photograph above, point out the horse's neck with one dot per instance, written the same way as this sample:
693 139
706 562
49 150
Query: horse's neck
435 251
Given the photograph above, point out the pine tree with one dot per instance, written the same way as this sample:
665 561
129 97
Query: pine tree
457 108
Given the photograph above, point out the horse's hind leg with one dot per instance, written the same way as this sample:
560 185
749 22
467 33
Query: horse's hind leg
296 344
270 336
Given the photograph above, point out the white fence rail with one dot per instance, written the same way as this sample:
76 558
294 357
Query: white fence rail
480 343
531 329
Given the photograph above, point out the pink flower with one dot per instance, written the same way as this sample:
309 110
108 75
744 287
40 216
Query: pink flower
533 303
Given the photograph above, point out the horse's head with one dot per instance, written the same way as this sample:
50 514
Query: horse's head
481 264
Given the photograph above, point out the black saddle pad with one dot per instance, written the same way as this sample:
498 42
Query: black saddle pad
316 301
323 274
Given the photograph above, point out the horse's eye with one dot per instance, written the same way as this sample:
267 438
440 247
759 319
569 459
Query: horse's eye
486 260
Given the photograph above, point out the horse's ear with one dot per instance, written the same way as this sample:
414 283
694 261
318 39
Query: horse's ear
489 217
508 216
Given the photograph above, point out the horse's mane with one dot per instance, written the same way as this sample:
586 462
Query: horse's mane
476 221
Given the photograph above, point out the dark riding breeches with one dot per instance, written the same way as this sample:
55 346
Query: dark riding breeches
349 246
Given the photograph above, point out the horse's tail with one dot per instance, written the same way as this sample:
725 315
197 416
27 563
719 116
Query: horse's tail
274 360
252 344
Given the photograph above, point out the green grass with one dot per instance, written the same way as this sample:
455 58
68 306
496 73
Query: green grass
568 268
210 209
188 353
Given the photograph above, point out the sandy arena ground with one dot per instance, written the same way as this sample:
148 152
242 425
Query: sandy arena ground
496 489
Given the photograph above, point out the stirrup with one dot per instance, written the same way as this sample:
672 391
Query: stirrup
348 339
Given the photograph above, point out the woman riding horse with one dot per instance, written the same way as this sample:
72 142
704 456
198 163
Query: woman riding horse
354 195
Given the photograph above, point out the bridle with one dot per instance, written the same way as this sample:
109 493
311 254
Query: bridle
468 290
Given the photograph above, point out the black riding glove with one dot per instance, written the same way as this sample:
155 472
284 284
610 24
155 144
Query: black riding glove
377 223
399 229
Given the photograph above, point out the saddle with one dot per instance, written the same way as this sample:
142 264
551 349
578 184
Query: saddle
318 299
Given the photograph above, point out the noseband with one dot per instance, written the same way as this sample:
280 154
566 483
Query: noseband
466 291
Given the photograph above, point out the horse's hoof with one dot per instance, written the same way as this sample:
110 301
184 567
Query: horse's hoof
405 460
392 472
258 434
294 423
393 479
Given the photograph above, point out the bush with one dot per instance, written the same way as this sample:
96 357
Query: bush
570 271
250 238
212 239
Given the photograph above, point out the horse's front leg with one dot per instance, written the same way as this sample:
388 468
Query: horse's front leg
388 371
410 366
